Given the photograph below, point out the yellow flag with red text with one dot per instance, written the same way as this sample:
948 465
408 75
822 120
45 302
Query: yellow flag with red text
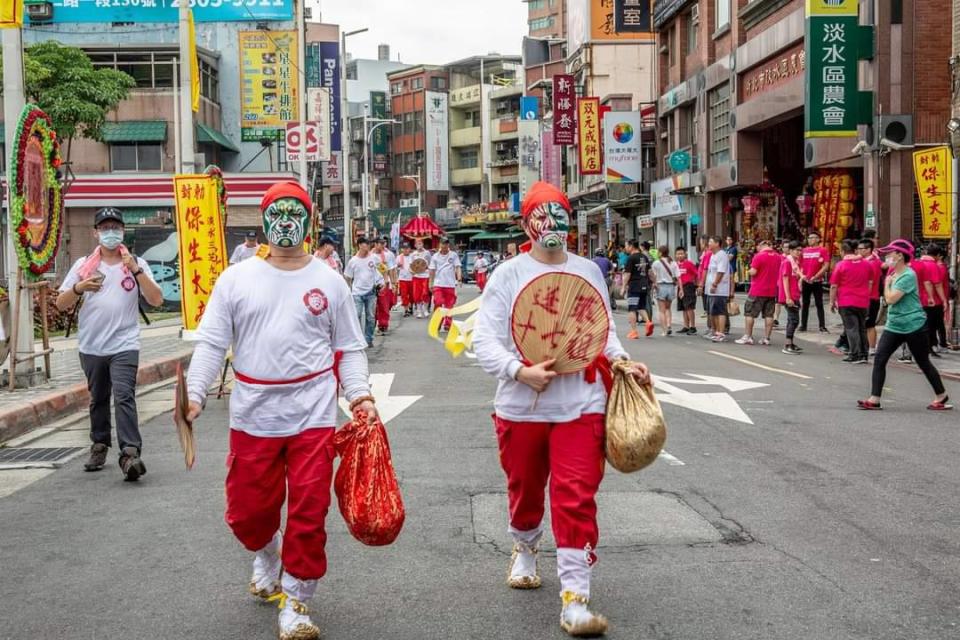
194 67
11 14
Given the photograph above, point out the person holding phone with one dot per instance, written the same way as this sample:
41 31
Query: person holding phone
108 285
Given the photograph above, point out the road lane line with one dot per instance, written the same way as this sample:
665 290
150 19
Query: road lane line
761 366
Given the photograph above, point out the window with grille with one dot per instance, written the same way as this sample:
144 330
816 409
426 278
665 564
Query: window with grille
720 125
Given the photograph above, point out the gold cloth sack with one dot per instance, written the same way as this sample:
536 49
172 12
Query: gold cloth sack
636 429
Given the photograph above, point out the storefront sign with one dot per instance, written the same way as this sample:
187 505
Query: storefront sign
590 148
679 161
529 147
645 222
551 170
633 16
269 91
106 11
203 255
438 161
330 171
330 78
582 222
834 44
529 108
378 142
318 110
317 149
933 174
564 110
774 73
11 14
621 147
465 95
663 202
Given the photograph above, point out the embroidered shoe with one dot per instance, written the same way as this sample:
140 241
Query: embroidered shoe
524 570
295 622
577 620
267 567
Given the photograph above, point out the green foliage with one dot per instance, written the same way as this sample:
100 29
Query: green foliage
77 96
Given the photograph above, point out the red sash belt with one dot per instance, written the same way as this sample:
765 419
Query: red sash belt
335 368
599 367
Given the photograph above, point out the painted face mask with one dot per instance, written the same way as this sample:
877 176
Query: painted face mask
285 222
110 238
548 226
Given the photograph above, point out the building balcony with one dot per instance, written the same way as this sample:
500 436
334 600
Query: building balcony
506 175
505 129
507 91
469 137
464 177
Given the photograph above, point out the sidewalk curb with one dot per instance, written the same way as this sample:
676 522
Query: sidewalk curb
21 418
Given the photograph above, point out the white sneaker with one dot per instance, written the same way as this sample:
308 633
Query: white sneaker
577 620
295 622
764 342
524 572
745 340
719 337
267 566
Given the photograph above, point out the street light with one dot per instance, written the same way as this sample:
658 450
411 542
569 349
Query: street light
345 142
365 196
416 180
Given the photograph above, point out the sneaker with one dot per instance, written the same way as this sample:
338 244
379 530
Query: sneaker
745 340
936 355
577 620
649 330
802 329
862 360
873 352
669 332
267 567
131 464
709 335
764 342
524 570
824 330
850 359
633 335
295 622
719 337
905 359
791 350
691 331
98 457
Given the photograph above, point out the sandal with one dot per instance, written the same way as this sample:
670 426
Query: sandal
940 405
866 405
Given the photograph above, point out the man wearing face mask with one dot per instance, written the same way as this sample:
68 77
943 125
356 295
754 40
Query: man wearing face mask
550 427
294 336
108 285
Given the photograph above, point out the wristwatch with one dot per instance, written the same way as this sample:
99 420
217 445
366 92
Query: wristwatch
137 272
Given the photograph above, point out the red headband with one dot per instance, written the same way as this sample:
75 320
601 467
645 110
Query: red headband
286 189
541 193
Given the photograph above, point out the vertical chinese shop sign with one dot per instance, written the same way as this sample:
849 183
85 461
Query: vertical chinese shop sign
564 110
834 44
591 149
202 246
933 174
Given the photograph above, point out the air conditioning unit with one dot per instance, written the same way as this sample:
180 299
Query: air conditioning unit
39 10
895 128
502 146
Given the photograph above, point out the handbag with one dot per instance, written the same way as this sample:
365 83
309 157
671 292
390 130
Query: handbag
733 308
635 427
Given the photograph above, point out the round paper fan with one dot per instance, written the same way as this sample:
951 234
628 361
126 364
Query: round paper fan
418 266
562 316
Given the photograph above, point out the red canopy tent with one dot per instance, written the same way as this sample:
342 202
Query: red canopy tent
421 227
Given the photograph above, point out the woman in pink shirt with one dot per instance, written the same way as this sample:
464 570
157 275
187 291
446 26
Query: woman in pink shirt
687 298
850 287
788 293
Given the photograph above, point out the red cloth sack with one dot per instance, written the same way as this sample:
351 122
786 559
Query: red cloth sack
366 485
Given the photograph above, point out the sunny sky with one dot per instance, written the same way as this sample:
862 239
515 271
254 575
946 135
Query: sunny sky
429 31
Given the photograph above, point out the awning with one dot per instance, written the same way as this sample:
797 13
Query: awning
135 131
498 235
209 135
421 227
463 232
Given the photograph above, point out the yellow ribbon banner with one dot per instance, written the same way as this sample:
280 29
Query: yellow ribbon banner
203 254
11 14
460 336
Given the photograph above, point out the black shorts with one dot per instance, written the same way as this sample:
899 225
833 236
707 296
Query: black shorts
717 305
689 300
872 313
637 300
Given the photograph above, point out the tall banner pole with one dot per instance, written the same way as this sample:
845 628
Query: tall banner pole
187 157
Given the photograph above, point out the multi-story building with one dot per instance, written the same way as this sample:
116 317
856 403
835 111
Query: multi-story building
505 140
734 98
546 18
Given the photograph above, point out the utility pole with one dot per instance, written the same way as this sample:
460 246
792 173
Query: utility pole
302 89
345 142
13 103
187 153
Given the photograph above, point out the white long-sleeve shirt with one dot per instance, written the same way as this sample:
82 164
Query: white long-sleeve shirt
569 396
283 325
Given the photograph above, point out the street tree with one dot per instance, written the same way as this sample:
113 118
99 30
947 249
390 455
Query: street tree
77 96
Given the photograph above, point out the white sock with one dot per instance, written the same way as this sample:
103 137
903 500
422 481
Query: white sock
525 563
301 590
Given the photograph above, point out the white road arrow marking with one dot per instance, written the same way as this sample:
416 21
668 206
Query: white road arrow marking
716 404
388 406
670 460
730 384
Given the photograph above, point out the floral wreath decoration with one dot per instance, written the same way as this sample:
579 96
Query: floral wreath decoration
37 258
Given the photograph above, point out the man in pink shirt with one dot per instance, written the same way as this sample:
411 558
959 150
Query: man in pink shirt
866 251
932 292
687 298
814 264
788 292
762 297
850 287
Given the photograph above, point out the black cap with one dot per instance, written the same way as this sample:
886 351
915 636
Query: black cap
251 234
107 213
645 244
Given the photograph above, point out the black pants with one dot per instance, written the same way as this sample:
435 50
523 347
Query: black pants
793 321
855 328
116 374
938 330
816 290
919 344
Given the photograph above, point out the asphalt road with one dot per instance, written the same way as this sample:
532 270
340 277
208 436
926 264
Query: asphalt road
799 518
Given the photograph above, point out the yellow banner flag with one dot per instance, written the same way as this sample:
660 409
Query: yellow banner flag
11 14
194 67
203 253
933 173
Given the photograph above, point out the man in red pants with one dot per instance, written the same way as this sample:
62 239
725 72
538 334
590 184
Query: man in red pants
550 427
293 335
480 266
405 280
388 294
445 277
420 265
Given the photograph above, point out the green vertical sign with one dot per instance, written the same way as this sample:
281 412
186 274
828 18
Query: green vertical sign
834 44
378 109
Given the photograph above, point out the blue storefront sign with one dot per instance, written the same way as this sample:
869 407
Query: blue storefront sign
103 11
529 108
330 77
